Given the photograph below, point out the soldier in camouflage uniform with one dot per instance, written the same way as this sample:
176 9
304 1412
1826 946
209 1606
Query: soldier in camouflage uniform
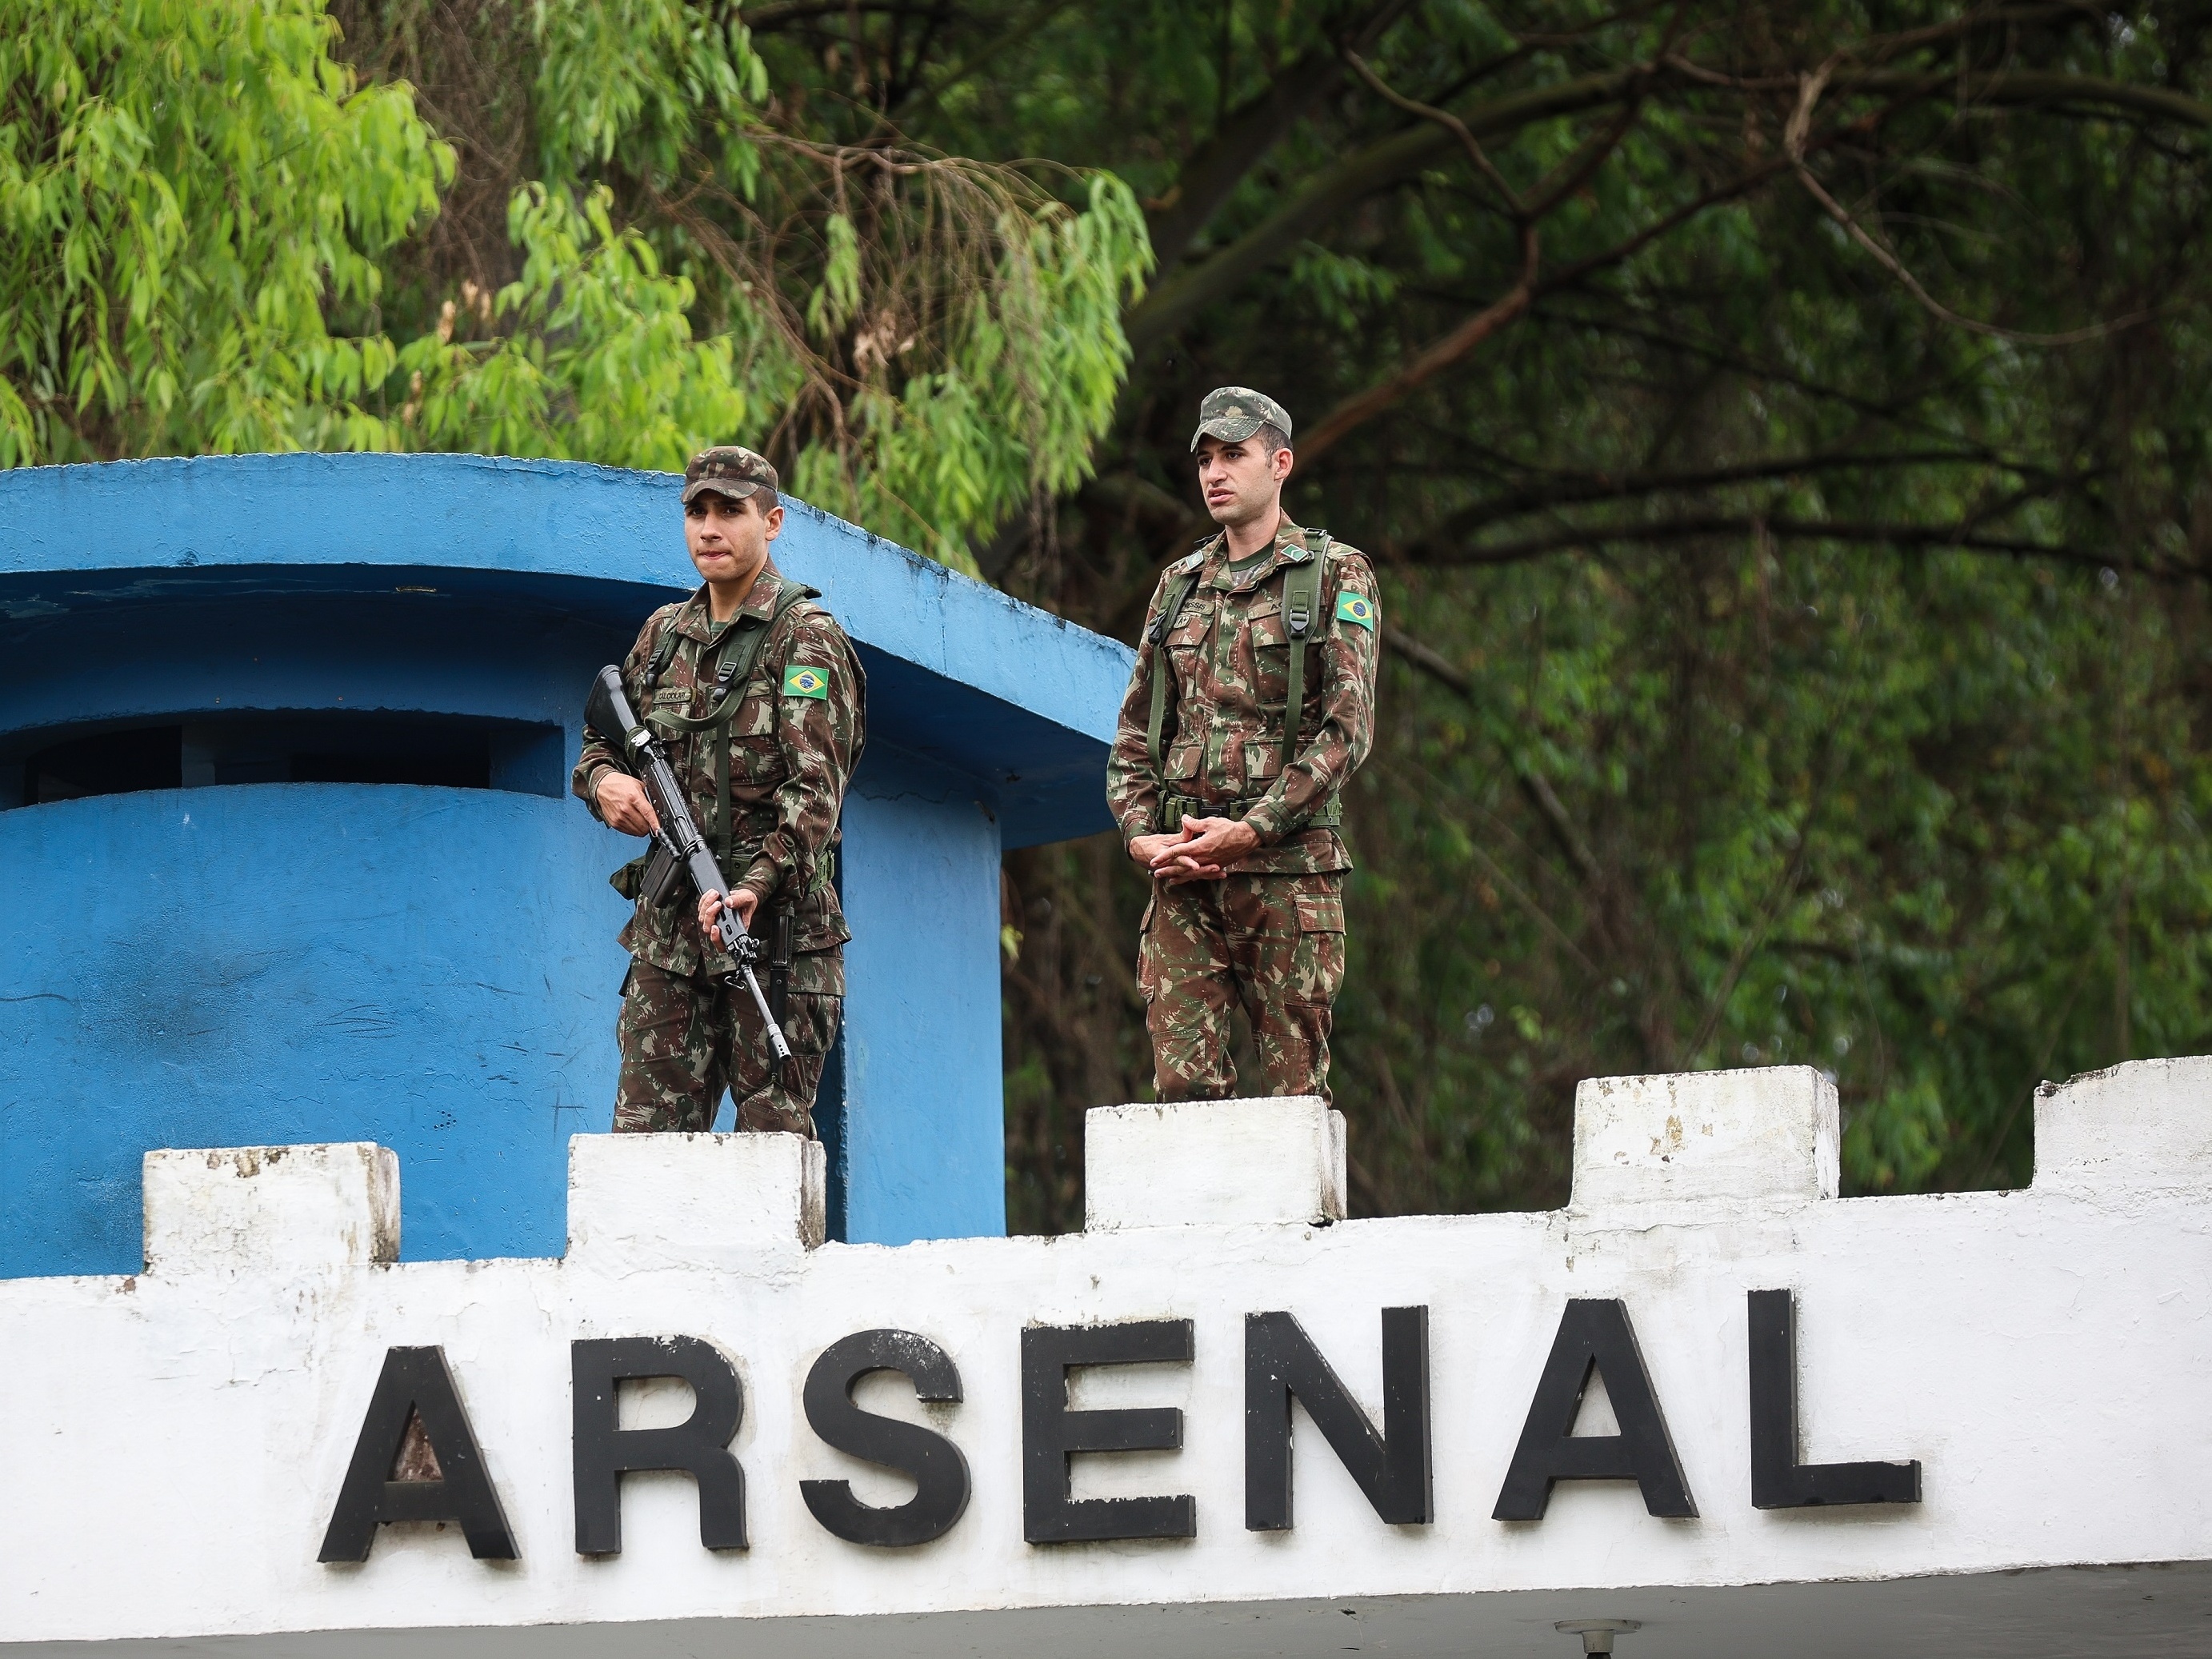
757 695
1234 817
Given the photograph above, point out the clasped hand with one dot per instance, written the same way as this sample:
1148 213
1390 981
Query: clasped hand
1203 849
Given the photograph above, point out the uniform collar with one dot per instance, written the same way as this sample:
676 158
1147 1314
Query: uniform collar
694 621
1288 536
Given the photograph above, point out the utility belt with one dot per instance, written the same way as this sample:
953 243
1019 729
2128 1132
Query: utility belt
1175 808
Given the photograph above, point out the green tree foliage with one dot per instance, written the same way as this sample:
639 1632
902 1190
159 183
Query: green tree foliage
186 186
206 213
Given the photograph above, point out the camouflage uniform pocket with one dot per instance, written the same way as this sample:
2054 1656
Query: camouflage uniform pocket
816 973
1263 760
1271 659
1317 970
1182 761
1320 912
627 880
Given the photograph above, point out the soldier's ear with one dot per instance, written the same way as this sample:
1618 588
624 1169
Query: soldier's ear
773 521
1282 461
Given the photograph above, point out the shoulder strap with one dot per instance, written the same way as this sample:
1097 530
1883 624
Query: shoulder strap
1301 600
664 651
733 664
1182 577
741 649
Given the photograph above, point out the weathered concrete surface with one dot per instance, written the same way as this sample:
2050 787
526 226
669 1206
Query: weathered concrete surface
2040 1352
1222 1160
265 1209
1744 1137
691 1200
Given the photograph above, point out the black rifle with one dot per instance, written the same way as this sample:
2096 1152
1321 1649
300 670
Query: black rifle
678 847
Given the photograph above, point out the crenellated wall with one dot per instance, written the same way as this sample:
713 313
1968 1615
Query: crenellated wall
175 1442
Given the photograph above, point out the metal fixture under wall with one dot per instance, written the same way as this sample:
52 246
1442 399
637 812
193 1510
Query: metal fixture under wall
1597 1634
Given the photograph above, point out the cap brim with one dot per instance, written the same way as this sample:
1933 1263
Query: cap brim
729 487
1230 430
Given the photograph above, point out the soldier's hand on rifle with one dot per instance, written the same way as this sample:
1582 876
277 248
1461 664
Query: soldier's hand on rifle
1215 845
744 901
624 805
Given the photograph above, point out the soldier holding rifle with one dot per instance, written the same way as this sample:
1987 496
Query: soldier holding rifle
1251 704
753 692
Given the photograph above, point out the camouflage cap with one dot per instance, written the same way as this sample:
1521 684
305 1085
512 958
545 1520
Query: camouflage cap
1234 413
728 470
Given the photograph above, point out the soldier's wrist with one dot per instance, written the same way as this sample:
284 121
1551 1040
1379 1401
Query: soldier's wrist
593 778
1263 822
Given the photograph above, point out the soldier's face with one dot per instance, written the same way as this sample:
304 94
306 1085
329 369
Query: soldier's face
728 538
1241 480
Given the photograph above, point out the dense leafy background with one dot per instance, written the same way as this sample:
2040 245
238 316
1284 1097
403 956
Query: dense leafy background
1780 430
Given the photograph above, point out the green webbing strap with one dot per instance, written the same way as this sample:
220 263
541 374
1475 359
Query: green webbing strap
1301 600
1179 590
1302 585
733 666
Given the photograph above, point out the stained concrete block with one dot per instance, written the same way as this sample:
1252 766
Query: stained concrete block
1768 1133
264 1208
2146 1124
692 1200
1212 1162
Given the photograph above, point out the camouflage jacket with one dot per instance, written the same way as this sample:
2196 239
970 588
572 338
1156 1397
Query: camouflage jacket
794 740
1222 745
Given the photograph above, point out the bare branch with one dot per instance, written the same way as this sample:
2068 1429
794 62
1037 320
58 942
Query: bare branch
1793 142
1362 407
1336 190
1599 487
1444 118
1963 537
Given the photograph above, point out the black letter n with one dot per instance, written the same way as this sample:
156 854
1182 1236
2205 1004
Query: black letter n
1280 1362
414 1384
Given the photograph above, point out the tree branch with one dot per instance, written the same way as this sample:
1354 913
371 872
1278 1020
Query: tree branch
1336 190
1217 166
1963 537
1534 784
1362 407
1598 487
1792 143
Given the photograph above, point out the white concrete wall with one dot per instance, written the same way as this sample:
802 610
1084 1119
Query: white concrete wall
173 1442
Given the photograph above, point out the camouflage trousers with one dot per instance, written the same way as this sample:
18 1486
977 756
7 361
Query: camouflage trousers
686 1038
1273 943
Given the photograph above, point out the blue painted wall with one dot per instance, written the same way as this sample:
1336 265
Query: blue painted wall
923 1145
434 969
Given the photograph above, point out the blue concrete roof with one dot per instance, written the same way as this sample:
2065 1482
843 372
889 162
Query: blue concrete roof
960 673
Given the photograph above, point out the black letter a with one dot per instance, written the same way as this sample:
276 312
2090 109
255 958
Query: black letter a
415 1385
1594 1336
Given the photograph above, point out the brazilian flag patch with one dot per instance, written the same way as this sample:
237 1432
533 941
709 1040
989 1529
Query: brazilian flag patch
803 681
1356 608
